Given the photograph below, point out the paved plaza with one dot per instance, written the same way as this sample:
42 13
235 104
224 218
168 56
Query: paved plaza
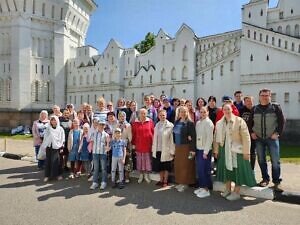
25 199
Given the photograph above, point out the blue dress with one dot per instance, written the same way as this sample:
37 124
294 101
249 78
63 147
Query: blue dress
73 155
84 154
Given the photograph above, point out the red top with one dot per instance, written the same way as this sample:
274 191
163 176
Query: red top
220 113
142 135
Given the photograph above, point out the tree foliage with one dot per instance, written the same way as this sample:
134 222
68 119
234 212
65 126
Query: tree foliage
146 44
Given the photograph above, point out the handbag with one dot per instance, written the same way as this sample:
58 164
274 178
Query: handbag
42 153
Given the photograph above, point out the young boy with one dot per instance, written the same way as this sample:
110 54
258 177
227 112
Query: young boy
100 148
118 147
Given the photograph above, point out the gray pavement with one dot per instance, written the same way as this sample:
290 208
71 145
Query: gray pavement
25 199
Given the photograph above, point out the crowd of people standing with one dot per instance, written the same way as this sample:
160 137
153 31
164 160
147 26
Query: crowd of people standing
165 135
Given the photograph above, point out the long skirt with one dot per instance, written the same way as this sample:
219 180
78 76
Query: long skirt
184 168
242 175
53 166
143 161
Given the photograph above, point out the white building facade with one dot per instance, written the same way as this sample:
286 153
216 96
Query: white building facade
44 61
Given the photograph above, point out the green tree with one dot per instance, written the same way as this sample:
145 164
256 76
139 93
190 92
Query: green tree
146 44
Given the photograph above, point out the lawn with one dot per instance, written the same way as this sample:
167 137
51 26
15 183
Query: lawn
15 137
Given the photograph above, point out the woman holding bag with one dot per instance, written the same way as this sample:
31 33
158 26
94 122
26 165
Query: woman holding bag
53 142
232 148
185 145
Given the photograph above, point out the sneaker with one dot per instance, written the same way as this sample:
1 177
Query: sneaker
197 191
78 174
121 185
90 178
94 186
147 178
178 186
103 185
233 196
141 177
72 176
182 188
226 193
46 179
127 181
114 185
203 194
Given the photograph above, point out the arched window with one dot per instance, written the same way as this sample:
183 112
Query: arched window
80 80
184 72
1 89
150 79
102 78
8 89
94 79
185 54
88 80
297 30
142 80
74 81
163 75
288 30
279 29
173 74
251 57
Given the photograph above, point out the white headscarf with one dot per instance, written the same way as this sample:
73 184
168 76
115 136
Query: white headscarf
54 137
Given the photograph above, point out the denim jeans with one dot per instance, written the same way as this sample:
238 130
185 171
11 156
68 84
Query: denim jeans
41 163
203 167
273 147
100 161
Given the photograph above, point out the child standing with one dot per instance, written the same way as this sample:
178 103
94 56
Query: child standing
84 151
100 141
74 138
118 147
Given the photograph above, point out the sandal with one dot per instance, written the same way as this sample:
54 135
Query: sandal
263 183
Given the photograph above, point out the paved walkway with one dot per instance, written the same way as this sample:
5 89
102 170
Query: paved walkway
25 199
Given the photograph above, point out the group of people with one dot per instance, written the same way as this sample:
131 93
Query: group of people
164 136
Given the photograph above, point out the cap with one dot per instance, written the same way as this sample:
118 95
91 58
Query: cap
226 98
118 130
167 99
111 114
101 121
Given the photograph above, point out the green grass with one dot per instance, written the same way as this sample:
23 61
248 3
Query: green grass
15 137
290 154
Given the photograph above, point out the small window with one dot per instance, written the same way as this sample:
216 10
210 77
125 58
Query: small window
251 58
202 78
280 15
150 79
81 99
267 39
293 47
249 33
36 70
268 58
75 99
273 41
128 60
52 12
61 13
42 69
286 97
249 15
95 99
286 45
33 7
273 97
112 60
24 6
70 98
163 49
8 67
43 9
279 29
48 70
173 47
212 74
126 73
231 65
292 11
222 70
279 43
142 80
88 99
254 35
261 12
260 37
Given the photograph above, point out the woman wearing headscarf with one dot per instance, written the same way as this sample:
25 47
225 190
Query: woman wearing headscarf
53 142
232 148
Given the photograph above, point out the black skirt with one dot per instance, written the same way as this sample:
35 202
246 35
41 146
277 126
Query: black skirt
159 166
53 167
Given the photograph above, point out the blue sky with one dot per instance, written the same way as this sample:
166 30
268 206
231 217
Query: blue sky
128 21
